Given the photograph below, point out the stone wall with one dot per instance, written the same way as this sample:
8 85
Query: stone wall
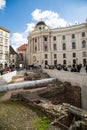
75 79
73 95
63 92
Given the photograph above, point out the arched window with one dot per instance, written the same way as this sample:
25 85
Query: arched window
83 44
73 45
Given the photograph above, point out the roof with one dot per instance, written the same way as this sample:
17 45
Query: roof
22 47
12 51
2 28
40 23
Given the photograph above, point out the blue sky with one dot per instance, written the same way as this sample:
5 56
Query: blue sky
19 16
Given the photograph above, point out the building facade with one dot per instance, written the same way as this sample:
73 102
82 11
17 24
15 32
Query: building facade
4 47
12 58
22 55
65 45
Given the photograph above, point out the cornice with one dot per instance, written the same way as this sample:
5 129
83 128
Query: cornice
4 29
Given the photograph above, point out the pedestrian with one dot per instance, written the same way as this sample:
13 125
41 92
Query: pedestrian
78 67
86 68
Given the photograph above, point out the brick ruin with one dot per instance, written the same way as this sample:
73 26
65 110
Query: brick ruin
58 92
60 101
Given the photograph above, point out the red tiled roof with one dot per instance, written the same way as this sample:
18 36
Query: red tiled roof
22 47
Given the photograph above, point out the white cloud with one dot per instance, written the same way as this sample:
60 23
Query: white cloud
52 19
17 39
2 4
30 27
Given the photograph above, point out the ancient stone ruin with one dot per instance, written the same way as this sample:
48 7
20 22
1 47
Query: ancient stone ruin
60 101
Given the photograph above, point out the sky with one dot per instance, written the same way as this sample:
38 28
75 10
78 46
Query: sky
20 16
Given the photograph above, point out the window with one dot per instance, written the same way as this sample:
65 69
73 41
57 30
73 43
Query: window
12 60
6 34
40 28
6 57
84 54
1 51
45 56
35 48
45 48
74 61
21 56
6 52
1 39
74 54
35 39
55 62
83 44
54 38
46 62
64 55
55 56
73 36
73 45
0 56
45 38
64 46
83 34
63 37
54 47
6 41
64 62
2 48
84 62
1 32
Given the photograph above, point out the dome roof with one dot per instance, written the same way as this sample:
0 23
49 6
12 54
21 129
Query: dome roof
40 23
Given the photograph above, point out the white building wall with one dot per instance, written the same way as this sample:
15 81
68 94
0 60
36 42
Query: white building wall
59 32
4 46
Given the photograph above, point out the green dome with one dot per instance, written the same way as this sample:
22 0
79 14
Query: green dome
40 23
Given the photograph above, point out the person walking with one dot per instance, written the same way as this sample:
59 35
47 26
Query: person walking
86 68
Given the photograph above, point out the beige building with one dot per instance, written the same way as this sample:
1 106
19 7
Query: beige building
64 45
4 47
